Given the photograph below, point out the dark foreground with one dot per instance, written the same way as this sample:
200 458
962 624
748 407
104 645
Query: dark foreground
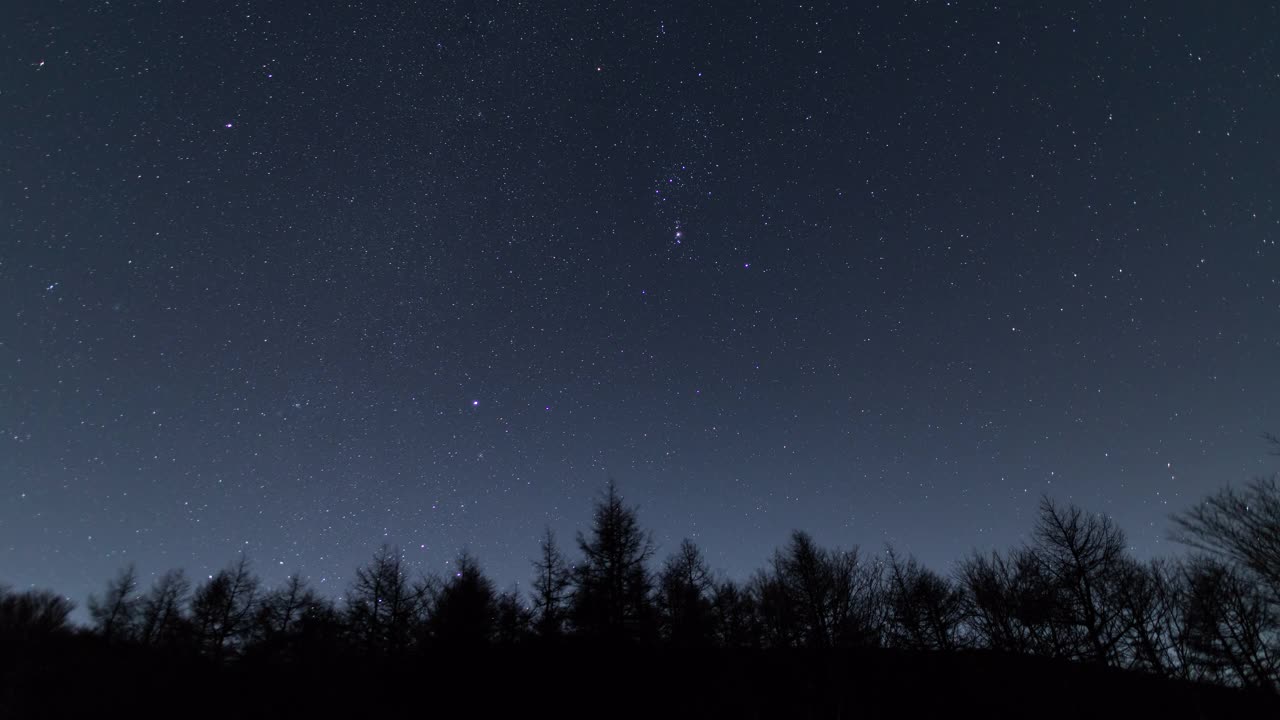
78 676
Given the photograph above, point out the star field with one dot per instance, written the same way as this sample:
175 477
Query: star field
301 280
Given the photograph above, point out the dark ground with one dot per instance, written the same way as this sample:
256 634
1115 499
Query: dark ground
78 676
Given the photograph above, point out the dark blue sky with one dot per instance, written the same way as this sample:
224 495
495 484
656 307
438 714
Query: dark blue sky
298 279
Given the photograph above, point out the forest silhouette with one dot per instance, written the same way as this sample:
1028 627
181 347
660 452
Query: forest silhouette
1067 624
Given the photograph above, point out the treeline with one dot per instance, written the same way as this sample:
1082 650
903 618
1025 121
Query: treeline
1072 593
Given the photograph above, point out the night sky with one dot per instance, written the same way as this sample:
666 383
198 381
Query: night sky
299 279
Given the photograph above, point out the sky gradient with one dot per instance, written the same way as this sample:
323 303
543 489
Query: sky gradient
298 280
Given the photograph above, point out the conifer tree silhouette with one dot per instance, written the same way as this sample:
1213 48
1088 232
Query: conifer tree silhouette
612 584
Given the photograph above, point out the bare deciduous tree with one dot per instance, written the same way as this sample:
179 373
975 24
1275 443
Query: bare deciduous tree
924 610
32 615
776 620
1242 526
382 606
552 583
282 611
734 615
162 621
1083 555
819 598
1232 630
683 598
1154 597
223 608
115 615
1011 604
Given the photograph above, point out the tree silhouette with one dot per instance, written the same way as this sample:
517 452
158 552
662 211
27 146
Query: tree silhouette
514 621
819 598
924 610
292 619
1071 594
1155 599
1231 628
734 613
115 615
382 607
162 622
281 610
1083 557
32 615
552 585
222 609
463 609
1011 603
611 585
775 613
684 598
1241 526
